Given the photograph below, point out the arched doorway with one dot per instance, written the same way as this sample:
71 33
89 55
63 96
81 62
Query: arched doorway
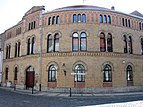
29 77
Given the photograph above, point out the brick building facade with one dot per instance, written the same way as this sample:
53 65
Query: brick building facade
76 46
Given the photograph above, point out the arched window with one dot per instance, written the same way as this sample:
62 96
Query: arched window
32 45
75 42
56 42
79 17
129 73
18 49
83 41
28 47
123 22
142 46
102 42
105 19
130 45
126 22
74 18
49 43
52 73
107 73
83 18
53 20
109 43
109 20
140 26
15 73
79 71
9 51
57 20
101 19
6 52
49 21
6 73
125 44
129 23
15 50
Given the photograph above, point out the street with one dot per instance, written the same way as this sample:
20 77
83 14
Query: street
14 99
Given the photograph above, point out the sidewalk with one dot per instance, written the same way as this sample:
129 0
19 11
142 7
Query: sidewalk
52 94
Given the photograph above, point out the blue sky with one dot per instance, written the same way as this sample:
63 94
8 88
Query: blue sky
12 11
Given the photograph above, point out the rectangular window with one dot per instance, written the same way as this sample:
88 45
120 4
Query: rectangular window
75 44
83 44
57 45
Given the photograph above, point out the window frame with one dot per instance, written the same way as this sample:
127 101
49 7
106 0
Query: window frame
107 73
52 70
79 68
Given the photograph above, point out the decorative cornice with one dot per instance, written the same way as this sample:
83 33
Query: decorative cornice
82 54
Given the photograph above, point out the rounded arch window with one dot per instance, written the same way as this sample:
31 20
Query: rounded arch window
107 73
52 73
129 73
79 71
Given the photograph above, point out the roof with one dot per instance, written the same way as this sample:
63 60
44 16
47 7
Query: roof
136 13
80 7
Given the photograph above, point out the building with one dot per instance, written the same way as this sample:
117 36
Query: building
1 54
76 46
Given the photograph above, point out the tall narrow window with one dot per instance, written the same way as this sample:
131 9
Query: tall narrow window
123 23
102 42
56 42
105 19
84 18
109 43
52 72
79 17
129 23
34 24
83 41
18 49
140 26
15 50
142 46
109 20
107 73
130 45
9 51
74 18
49 43
6 73
32 45
29 27
79 70
75 44
53 20
15 73
49 21
6 52
129 73
101 19
125 44
126 22
57 20
28 47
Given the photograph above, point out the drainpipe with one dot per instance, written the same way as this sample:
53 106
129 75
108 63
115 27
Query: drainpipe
41 37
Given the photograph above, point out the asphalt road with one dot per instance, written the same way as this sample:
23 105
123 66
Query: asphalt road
13 99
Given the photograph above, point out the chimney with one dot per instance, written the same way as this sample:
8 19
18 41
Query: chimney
112 8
